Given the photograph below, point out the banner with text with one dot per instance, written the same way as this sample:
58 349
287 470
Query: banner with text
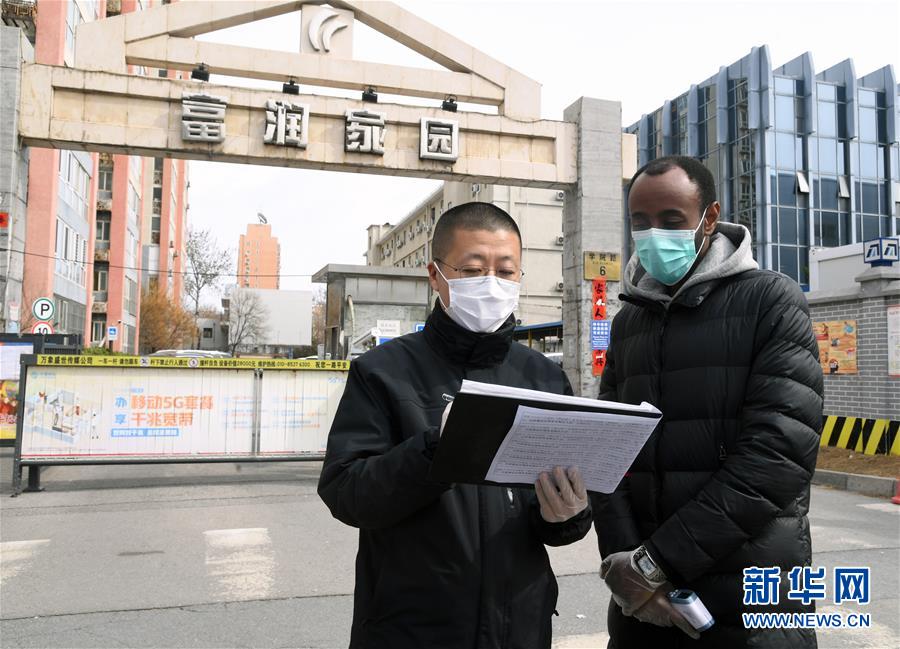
108 413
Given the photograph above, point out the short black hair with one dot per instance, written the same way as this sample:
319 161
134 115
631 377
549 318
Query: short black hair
470 216
695 170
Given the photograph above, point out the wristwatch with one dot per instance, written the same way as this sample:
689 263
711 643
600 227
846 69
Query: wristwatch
646 567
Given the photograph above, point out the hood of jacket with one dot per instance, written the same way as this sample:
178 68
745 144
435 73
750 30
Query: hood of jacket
729 254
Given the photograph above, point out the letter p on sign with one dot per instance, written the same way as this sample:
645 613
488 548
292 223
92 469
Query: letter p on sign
43 308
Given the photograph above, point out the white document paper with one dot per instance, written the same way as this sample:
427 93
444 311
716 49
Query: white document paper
524 394
601 445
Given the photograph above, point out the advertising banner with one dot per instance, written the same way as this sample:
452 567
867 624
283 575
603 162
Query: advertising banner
85 412
10 354
129 412
296 411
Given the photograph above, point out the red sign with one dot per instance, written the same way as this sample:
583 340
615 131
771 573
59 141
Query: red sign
599 361
42 328
4 219
598 308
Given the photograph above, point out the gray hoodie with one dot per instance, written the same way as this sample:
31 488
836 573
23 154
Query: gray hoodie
729 254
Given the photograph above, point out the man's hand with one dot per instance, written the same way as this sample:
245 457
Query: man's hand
629 588
659 611
561 494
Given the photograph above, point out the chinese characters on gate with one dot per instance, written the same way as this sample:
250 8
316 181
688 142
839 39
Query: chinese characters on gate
364 132
287 124
202 118
439 139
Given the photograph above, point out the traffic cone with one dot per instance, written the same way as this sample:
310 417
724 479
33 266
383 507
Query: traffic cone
896 498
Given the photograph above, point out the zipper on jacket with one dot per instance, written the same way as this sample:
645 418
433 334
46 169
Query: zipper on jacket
723 453
656 455
481 515
662 353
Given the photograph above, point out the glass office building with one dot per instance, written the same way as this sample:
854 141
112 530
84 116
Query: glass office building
802 158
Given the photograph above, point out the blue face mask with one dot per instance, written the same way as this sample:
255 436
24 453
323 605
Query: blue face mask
668 254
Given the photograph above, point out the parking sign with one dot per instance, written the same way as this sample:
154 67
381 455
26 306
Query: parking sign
43 308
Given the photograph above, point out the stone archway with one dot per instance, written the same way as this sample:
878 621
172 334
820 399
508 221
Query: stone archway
97 106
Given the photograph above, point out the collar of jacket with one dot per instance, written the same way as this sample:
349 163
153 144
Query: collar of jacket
464 347
690 297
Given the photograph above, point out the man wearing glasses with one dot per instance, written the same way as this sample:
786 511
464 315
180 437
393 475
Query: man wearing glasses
727 353
439 565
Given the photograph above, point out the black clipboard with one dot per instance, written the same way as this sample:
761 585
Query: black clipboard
478 424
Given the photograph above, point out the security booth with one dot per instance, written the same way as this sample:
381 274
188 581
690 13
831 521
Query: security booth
359 298
545 337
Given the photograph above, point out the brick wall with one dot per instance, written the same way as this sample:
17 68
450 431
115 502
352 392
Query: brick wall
871 393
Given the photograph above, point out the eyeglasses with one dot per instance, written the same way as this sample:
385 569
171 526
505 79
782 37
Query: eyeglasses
511 274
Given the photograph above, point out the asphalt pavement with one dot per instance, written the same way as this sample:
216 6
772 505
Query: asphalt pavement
231 555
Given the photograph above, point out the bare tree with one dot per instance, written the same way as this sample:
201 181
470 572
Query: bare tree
26 317
318 318
206 264
247 319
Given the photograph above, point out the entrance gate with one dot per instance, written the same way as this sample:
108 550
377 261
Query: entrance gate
97 106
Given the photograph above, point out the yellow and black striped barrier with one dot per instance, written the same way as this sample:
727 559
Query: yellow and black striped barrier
869 436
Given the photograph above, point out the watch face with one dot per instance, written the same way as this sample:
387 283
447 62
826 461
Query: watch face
645 563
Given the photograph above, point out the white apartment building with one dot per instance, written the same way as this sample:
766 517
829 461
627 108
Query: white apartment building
537 212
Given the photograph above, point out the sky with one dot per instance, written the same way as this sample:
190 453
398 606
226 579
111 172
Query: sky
637 52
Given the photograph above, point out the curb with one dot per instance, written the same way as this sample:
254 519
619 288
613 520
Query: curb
862 484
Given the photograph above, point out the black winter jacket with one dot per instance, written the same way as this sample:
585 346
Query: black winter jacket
459 566
723 483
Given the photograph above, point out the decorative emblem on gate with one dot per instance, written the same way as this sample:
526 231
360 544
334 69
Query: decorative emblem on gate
322 28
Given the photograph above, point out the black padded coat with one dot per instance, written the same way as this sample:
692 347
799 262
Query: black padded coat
439 566
723 483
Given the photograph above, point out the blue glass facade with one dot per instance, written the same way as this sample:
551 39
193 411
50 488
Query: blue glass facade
801 158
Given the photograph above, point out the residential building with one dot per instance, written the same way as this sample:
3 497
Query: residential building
16 50
84 225
259 258
803 158
164 233
537 212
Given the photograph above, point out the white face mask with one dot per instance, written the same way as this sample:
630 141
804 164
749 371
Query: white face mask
480 304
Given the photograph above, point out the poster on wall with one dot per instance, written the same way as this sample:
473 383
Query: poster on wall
837 346
79 412
893 339
10 354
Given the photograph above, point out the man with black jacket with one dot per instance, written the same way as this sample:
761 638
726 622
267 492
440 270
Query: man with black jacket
727 353
439 565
